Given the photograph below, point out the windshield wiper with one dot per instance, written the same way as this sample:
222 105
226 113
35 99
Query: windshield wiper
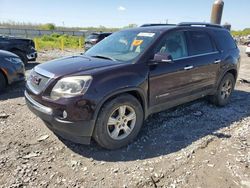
104 57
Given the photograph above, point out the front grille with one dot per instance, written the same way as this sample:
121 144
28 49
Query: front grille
37 82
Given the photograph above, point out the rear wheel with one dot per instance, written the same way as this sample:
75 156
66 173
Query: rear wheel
2 82
224 91
22 56
119 122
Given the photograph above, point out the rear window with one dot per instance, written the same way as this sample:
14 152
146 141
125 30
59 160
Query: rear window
105 35
200 43
225 40
92 36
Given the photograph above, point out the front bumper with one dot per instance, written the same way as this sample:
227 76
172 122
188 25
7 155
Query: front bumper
78 132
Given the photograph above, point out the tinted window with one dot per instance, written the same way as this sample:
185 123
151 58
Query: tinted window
106 35
173 44
92 36
225 40
200 43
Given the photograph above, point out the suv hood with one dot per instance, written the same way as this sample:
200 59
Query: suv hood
72 65
7 54
15 38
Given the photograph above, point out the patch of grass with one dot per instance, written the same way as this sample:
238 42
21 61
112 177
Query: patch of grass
57 41
244 32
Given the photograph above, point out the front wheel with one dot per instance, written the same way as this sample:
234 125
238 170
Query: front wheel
119 122
224 91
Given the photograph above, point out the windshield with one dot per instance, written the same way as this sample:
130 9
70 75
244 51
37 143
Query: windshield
122 46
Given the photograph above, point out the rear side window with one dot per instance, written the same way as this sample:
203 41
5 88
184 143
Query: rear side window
225 40
200 43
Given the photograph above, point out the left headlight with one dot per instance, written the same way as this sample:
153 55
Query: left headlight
14 60
70 87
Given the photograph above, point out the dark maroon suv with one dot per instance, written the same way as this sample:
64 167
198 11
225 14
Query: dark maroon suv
109 91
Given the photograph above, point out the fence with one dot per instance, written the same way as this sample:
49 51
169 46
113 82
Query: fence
31 33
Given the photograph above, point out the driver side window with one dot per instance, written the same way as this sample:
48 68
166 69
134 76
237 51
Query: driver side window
173 44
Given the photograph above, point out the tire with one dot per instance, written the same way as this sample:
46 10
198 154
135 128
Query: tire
224 91
3 82
121 130
248 55
22 56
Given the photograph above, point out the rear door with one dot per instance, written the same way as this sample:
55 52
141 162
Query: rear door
194 68
205 59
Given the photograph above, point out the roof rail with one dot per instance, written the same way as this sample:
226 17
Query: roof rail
155 24
202 24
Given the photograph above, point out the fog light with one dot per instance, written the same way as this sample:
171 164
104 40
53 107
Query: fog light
65 114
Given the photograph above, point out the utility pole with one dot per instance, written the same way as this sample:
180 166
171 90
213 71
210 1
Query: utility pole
217 12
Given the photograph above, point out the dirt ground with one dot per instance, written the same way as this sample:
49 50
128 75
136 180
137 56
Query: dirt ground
195 145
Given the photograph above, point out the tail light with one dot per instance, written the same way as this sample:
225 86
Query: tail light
93 41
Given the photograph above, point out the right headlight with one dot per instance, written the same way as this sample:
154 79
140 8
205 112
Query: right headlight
70 87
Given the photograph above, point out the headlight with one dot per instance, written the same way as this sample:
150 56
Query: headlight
14 60
70 87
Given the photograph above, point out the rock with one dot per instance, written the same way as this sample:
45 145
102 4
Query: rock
102 163
4 116
151 169
44 137
210 165
115 170
245 183
85 169
74 163
198 113
178 158
31 155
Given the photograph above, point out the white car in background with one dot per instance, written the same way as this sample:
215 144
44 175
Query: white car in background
248 50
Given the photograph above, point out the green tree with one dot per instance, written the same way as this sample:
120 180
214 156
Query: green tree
131 26
48 26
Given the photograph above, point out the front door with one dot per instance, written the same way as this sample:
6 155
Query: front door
170 80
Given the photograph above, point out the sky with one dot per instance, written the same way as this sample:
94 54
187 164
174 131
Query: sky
119 13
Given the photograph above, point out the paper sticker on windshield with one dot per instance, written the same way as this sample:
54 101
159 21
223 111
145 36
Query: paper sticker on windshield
146 34
137 42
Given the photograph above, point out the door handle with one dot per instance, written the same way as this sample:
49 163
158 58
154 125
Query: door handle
217 61
188 67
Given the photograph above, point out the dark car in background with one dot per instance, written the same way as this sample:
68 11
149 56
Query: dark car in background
11 69
94 38
248 50
24 48
109 91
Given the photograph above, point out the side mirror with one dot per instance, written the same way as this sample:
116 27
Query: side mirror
162 58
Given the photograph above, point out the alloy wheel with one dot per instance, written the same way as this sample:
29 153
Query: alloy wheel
121 122
226 89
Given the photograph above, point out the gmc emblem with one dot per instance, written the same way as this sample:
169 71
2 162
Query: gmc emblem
35 79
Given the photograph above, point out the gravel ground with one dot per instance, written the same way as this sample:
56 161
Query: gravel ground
193 145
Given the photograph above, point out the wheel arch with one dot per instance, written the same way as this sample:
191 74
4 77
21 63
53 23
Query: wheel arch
136 92
233 71
2 71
